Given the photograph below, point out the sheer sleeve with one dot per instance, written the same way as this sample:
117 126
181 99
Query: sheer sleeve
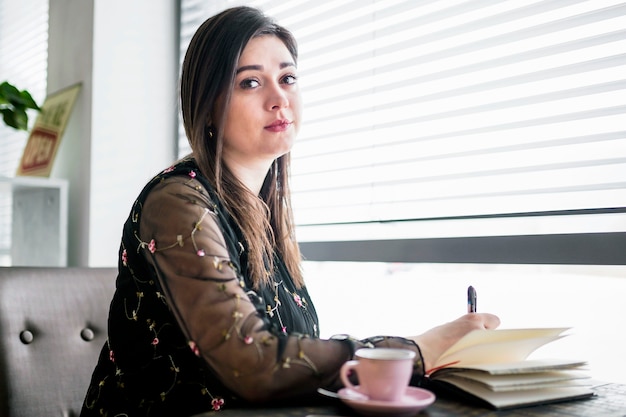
184 239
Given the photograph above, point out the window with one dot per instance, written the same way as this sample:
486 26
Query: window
460 142
464 131
23 63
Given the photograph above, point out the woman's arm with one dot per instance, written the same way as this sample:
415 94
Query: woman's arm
217 312
226 327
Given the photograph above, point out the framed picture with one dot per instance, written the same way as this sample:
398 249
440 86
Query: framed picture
45 136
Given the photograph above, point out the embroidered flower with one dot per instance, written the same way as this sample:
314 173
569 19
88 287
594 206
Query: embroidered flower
284 329
124 257
286 363
194 348
297 299
217 264
111 356
217 403
155 341
152 246
170 169
200 252
192 174
248 340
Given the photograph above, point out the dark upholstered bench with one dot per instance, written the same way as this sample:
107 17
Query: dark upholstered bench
53 323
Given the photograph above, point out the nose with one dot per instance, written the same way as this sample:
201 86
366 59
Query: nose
277 98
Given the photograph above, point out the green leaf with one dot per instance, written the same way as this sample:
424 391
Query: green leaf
8 90
9 118
28 101
17 119
13 105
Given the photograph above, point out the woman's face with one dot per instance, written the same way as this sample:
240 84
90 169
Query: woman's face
263 116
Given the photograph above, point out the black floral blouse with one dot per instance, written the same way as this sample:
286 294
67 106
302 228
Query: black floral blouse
187 331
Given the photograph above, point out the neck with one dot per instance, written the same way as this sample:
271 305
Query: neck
250 176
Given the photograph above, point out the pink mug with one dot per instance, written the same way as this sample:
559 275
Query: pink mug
384 373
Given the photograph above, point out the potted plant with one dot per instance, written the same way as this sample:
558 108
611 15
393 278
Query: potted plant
13 106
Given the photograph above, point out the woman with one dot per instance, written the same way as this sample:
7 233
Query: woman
211 310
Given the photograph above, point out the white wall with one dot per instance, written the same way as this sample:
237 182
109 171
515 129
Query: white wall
123 127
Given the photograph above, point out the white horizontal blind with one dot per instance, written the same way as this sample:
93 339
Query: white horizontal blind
452 109
192 14
23 63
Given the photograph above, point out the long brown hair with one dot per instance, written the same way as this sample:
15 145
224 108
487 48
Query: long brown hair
208 74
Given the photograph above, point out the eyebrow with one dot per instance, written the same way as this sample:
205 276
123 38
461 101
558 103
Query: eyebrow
260 67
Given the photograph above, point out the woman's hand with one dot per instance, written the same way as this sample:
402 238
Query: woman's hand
437 340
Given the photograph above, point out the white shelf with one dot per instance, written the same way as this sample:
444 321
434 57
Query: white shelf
33 225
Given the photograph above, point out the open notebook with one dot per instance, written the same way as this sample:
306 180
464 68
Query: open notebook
491 367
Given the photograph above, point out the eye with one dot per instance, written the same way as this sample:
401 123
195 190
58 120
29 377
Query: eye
249 83
289 79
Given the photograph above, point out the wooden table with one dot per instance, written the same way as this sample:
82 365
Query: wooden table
597 406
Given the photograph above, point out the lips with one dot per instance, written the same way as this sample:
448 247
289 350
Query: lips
278 126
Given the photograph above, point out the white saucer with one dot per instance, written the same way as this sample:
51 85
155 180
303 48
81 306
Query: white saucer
414 400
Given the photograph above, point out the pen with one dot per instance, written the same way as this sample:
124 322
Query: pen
471 299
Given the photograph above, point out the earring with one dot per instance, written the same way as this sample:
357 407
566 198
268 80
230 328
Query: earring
211 132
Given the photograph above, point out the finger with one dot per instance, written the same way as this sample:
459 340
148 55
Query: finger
490 321
482 320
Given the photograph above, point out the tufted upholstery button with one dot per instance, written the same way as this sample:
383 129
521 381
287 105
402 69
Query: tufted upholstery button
87 334
46 313
26 336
